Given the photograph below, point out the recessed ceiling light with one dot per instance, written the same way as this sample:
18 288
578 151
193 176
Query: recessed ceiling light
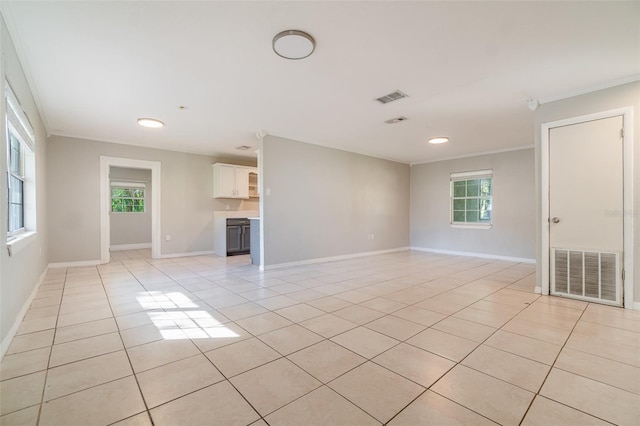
243 147
293 44
150 122
438 140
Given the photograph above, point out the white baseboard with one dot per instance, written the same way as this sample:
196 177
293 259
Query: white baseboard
480 255
75 264
121 247
636 306
4 345
192 253
331 259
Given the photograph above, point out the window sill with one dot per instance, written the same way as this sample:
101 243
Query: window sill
471 226
20 242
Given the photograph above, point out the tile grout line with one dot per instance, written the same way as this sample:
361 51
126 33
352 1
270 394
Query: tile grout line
124 348
458 363
537 393
53 341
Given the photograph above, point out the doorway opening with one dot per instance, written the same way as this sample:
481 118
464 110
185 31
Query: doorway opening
106 165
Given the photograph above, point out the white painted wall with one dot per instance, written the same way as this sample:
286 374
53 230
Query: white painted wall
132 228
20 273
73 166
325 202
512 234
627 95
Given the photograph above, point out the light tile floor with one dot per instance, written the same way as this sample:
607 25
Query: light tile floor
405 338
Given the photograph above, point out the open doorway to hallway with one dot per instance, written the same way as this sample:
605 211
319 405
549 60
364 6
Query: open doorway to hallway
128 199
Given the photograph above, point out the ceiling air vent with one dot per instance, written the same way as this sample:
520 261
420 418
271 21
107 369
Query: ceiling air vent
394 96
396 120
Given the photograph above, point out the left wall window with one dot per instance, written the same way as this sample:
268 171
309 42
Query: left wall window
20 144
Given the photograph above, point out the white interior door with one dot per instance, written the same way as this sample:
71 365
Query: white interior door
586 210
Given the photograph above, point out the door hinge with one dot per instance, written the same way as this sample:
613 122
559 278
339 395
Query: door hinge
623 275
622 133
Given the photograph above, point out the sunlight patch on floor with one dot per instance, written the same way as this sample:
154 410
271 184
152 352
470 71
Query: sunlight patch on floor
177 321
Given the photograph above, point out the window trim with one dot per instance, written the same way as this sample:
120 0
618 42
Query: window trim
460 176
18 124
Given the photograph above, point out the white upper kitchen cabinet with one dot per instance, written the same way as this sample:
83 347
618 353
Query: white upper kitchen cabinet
231 181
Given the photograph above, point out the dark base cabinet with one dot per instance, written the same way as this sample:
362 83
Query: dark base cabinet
238 236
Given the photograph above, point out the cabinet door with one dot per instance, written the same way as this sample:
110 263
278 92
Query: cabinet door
246 237
224 185
234 239
242 182
253 183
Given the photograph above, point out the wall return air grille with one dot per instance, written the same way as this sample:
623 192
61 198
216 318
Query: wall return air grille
586 275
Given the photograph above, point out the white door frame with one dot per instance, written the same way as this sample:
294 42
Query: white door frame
627 114
105 202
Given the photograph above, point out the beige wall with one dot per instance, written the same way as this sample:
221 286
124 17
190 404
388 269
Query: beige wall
325 202
20 273
512 234
187 203
132 228
602 100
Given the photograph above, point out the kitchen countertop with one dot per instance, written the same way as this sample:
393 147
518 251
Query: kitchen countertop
236 213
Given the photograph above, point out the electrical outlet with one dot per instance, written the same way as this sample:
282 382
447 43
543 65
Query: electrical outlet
227 206
168 237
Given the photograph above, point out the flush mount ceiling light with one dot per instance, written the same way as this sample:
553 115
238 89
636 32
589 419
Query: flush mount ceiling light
150 122
293 44
438 140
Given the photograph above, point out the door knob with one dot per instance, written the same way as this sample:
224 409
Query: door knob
555 220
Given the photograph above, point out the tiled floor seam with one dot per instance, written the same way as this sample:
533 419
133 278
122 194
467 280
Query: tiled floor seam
537 393
443 396
53 342
457 363
133 371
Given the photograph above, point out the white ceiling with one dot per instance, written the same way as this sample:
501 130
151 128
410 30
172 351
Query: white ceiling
468 67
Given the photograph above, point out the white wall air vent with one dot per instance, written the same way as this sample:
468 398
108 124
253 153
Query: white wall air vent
394 96
396 120
586 275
